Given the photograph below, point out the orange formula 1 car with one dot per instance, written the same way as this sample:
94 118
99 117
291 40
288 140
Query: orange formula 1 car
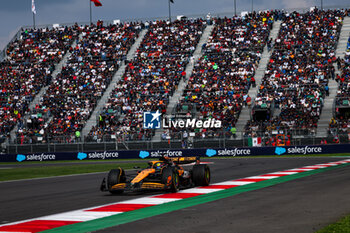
166 174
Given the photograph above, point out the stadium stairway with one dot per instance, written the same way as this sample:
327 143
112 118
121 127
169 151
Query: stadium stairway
117 76
36 100
327 110
2 54
183 83
259 74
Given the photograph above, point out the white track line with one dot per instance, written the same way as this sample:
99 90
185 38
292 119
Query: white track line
78 215
284 173
305 169
63 176
239 183
262 177
149 200
199 190
51 177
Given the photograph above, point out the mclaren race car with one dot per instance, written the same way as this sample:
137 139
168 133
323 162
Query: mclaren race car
166 174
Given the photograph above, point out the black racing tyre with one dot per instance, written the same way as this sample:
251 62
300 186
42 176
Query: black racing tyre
171 179
115 176
201 175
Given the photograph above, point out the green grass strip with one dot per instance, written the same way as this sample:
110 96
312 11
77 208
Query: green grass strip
342 226
135 215
80 161
18 173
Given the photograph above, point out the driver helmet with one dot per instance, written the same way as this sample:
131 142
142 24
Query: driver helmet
159 165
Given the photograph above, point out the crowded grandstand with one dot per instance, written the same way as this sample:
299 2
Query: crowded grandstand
55 80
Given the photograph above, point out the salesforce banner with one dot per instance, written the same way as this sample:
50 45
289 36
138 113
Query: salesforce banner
149 154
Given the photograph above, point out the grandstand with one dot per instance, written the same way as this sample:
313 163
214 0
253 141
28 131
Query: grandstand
297 76
339 123
150 78
28 67
269 74
221 77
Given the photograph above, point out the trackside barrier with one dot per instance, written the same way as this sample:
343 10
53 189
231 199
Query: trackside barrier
149 154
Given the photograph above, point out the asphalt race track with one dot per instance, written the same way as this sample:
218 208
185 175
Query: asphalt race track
302 205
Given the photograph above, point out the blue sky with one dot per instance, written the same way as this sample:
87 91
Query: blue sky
14 14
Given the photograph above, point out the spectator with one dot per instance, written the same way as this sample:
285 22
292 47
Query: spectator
298 71
30 61
222 76
151 77
73 95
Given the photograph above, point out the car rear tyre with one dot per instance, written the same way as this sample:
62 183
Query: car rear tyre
201 175
115 176
171 179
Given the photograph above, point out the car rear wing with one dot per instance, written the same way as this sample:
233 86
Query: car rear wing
185 160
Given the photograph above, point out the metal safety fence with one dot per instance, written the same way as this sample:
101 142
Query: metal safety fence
182 140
